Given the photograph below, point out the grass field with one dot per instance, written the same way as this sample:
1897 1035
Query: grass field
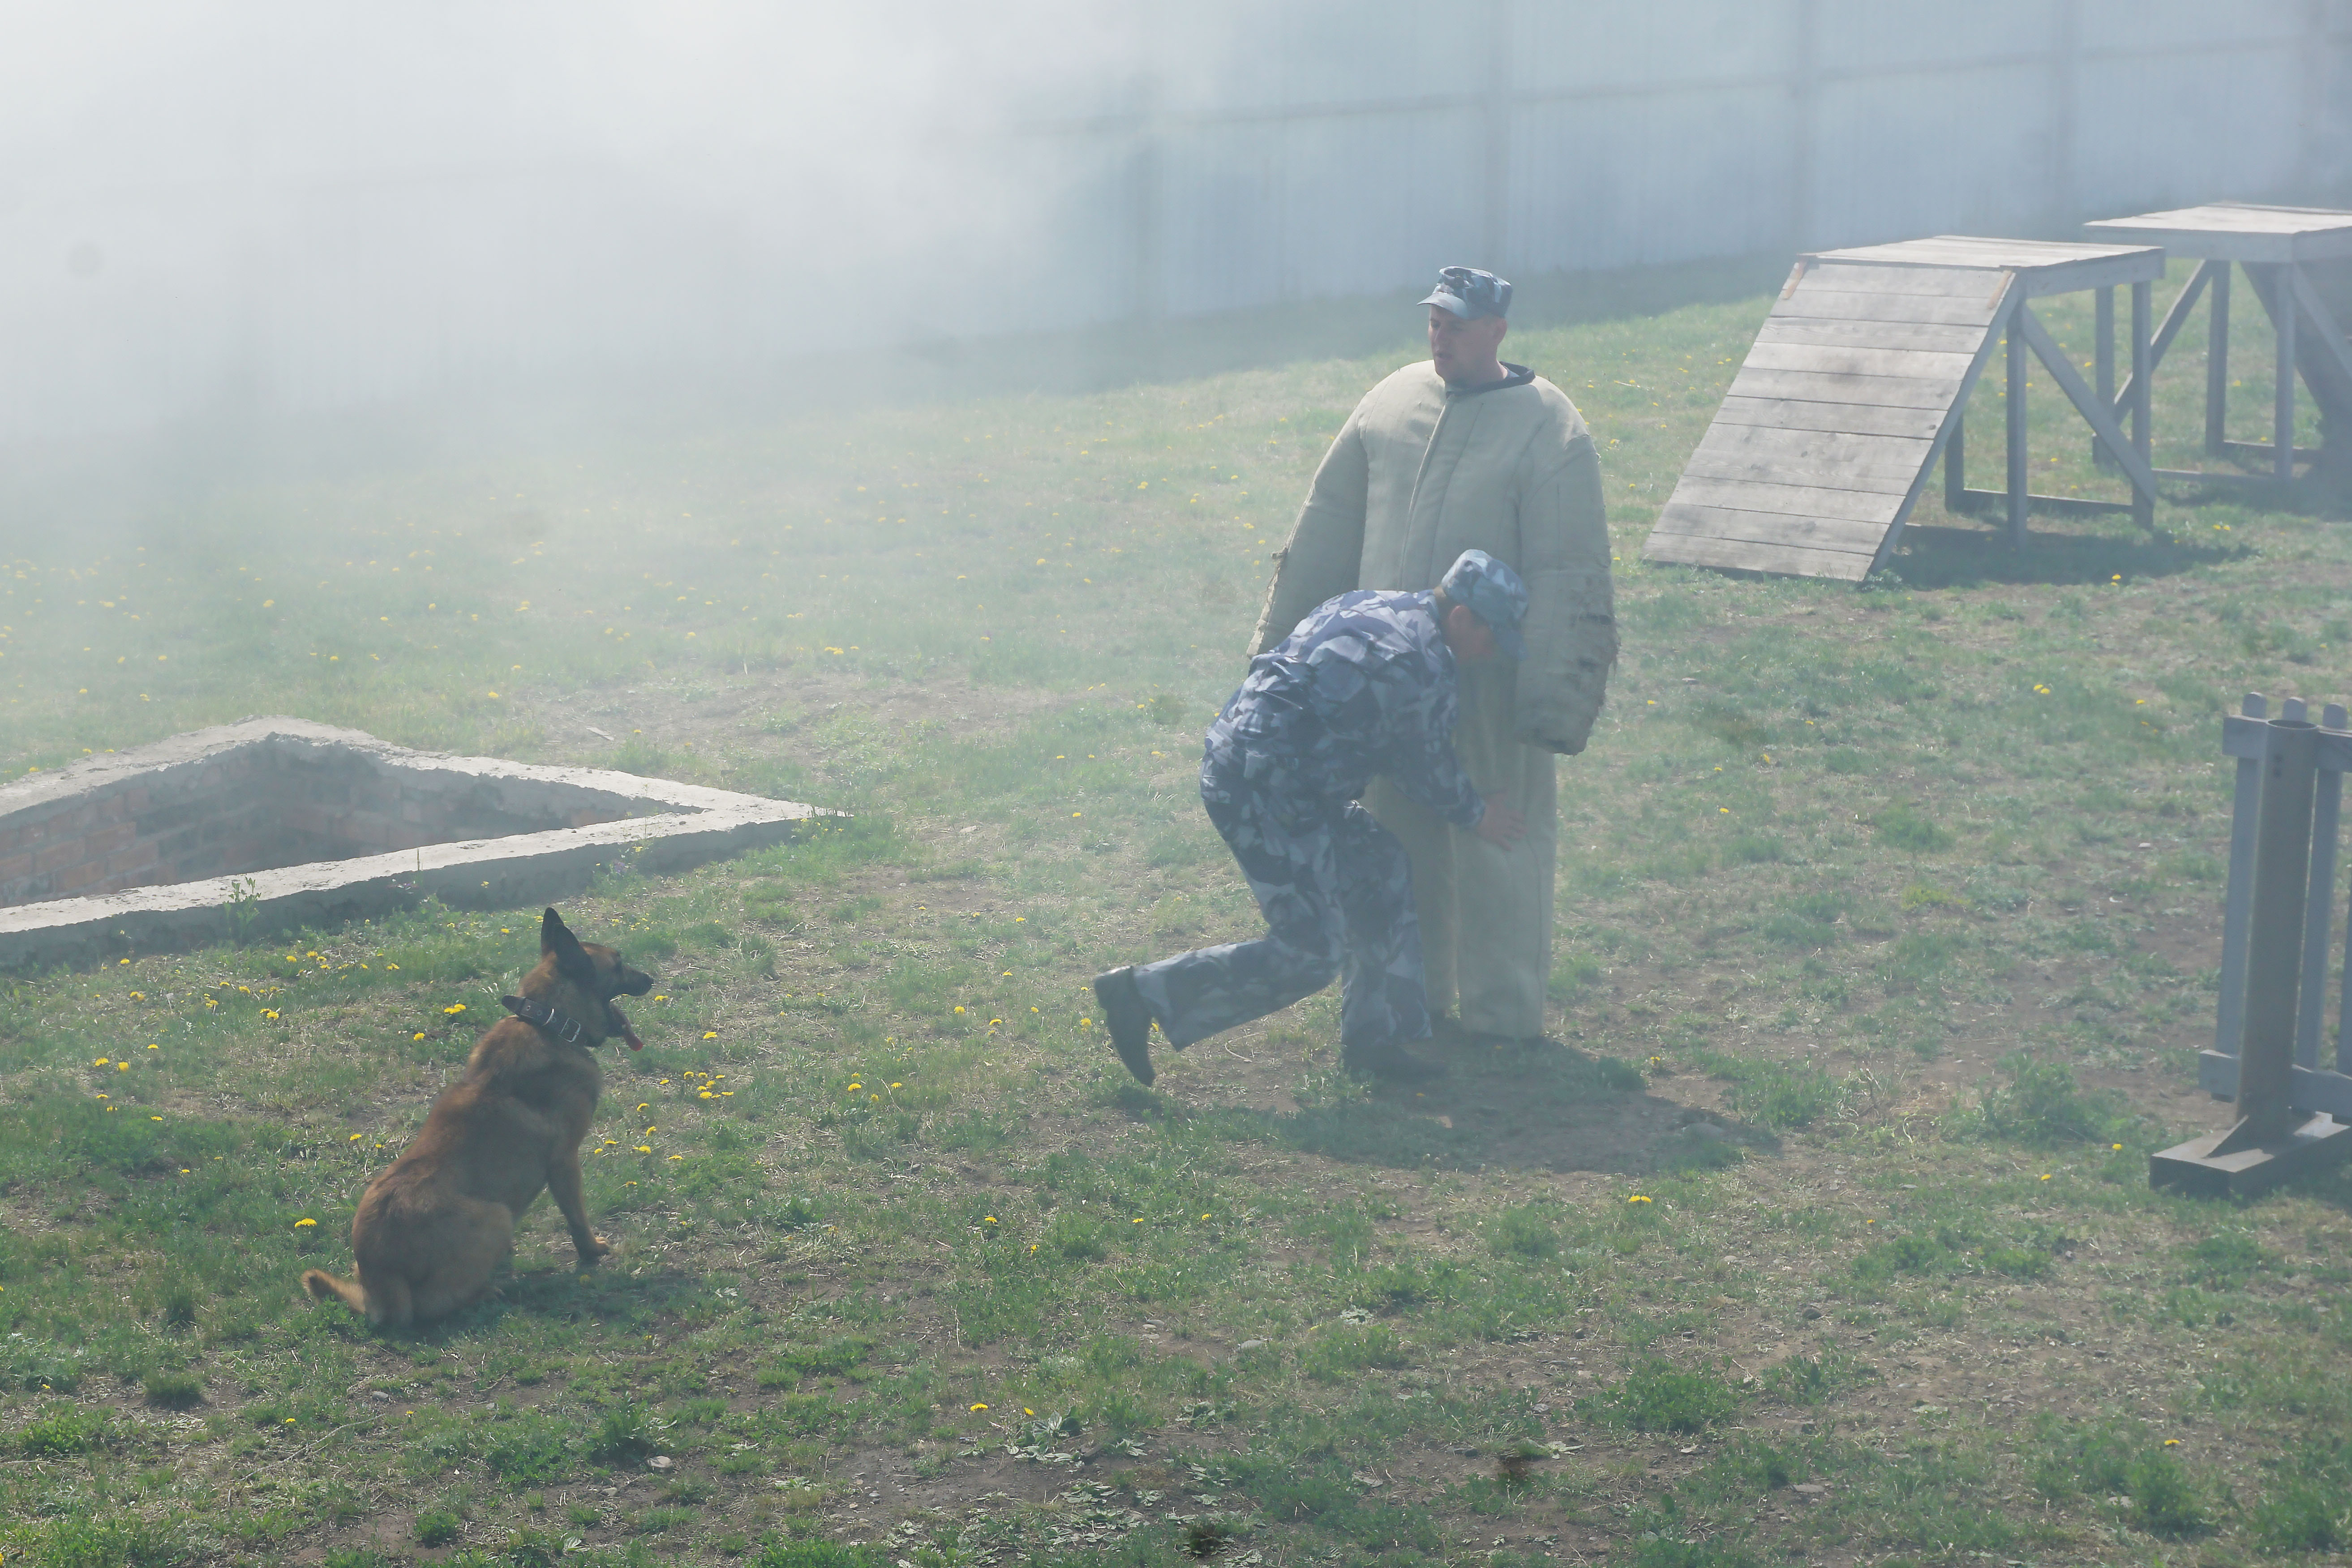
1888 925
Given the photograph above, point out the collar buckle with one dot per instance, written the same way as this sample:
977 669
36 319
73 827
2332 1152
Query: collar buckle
561 1027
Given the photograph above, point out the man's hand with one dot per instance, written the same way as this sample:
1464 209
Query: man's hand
1501 826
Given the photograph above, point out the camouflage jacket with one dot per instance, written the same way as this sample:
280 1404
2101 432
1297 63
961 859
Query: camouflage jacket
1364 686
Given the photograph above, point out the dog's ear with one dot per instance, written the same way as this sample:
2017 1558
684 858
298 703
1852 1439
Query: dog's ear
556 937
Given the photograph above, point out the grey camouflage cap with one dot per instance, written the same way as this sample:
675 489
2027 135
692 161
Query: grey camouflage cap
1494 595
1470 293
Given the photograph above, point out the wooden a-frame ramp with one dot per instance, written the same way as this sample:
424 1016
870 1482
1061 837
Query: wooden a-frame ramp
1853 390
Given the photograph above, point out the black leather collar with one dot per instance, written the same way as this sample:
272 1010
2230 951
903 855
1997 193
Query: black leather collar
561 1026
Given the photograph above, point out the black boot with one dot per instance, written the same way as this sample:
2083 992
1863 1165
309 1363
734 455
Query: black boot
1389 1061
1128 1020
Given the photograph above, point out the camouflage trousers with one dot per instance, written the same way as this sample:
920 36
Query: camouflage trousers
1337 893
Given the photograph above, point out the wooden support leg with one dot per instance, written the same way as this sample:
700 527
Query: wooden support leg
2105 346
2143 372
2103 363
2283 393
2015 340
1955 468
2217 365
2104 350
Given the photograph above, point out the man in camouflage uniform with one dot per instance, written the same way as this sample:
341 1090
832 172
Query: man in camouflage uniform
1366 684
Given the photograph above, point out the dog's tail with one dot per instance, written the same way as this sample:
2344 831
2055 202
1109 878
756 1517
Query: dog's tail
324 1287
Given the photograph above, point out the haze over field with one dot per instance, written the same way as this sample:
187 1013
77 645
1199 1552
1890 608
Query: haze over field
287 206
228 212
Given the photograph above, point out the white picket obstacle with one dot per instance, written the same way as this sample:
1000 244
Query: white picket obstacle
2293 1115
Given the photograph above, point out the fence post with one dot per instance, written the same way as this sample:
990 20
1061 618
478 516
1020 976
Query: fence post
2319 905
1498 137
2273 965
2230 1018
1150 296
1803 56
2064 66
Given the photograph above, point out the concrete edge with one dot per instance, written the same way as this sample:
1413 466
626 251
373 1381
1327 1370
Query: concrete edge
506 872
200 745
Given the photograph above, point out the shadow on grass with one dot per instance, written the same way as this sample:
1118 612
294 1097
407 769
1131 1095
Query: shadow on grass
608 1296
1974 557
1548 1107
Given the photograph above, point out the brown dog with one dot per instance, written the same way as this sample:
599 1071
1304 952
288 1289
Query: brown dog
433 1228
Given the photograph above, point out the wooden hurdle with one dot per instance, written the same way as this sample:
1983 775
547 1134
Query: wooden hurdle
2293 1115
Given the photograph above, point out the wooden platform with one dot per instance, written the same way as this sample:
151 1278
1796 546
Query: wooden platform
2291 256
1850 394
2231 231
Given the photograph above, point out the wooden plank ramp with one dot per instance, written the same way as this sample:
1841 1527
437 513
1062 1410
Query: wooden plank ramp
1820 449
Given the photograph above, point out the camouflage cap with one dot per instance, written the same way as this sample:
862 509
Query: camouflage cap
1470 293
1493 593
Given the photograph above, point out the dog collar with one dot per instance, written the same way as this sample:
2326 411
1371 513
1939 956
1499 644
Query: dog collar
562 1026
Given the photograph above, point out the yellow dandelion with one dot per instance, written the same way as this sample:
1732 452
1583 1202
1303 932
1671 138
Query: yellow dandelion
1637 1197
305 1220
